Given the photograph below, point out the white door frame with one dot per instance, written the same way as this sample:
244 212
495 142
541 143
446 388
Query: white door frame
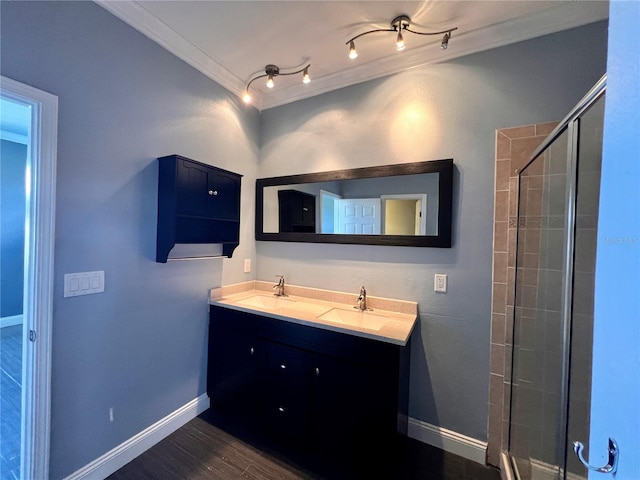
335 196
38 274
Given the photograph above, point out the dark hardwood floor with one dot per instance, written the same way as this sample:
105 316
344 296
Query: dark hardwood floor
205 448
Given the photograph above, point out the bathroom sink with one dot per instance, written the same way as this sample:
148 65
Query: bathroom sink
355 318
283 305
304 308
265 302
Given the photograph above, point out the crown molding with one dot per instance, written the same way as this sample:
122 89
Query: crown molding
562 16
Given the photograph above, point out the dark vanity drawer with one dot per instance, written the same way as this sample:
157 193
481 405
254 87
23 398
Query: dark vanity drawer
285 385
285 365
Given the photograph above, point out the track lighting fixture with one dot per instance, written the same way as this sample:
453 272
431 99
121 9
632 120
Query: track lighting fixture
400 24
272 71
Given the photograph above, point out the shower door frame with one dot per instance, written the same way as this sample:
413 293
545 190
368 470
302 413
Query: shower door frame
571 124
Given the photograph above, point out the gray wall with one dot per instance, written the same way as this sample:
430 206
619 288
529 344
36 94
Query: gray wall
13 162
140 346
449 110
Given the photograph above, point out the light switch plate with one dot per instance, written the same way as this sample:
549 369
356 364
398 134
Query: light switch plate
84 283
440 283
247 265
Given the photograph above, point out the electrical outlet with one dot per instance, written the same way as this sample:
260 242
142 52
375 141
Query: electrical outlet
440 283
247 265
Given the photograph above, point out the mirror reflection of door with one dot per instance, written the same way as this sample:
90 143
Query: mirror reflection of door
404 214
359 216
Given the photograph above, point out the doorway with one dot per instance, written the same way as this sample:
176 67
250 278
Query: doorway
14 140
28 119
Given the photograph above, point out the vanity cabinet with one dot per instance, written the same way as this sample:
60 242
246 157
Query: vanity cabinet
233 366
197 204
296 211
313 386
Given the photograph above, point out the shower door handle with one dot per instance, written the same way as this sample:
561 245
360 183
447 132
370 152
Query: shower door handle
610 467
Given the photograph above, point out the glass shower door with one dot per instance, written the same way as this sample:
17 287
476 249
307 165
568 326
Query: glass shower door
589 146
536 427
554 299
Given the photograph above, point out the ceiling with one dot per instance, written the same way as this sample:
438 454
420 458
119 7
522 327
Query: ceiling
232 41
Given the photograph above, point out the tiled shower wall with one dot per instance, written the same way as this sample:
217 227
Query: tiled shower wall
514 147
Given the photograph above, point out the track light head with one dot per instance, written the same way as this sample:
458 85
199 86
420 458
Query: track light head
305 75
400 41
271 71
352 50
445 41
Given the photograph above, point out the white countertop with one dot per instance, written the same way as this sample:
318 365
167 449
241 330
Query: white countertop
386 320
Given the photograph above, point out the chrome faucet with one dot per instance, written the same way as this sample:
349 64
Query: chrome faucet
362 299
280 287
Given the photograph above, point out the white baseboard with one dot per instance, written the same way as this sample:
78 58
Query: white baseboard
118 457
448 440
11 321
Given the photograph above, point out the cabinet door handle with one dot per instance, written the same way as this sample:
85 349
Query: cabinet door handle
213 193
305 209
280 409
317 371
251 350
283 366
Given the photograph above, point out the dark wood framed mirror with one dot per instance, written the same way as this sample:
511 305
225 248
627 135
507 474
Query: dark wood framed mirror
406 204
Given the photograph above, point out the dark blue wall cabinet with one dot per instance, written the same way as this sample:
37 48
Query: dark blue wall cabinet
197 205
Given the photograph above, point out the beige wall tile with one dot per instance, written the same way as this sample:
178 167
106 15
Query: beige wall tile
499 297
521 150
518 132
503 146
500 267
502 206
498 328
497 359
545 129
496 387
500 237
503 170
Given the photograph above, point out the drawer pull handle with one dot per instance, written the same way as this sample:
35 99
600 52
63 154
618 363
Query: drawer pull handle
281 409
283 366
317 371
252 350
